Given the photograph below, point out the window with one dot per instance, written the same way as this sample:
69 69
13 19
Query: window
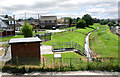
42 26
42 22
53 21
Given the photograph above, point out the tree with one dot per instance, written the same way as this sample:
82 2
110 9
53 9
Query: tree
113 22
88 19
104 22
27 30
78 19
110 24
81 23
70 20
31 18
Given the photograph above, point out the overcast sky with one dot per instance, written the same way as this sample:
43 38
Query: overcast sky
60 8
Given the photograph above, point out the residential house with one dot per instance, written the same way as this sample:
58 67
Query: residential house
48 22
7 25
64 21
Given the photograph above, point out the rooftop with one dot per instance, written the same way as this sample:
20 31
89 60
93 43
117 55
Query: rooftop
23 40
48 17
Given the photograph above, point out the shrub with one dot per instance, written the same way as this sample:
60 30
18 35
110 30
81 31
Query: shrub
27 30
104 22
110 24
81 23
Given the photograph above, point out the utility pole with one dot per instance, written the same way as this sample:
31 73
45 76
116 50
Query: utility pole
25 19
38 22
14 24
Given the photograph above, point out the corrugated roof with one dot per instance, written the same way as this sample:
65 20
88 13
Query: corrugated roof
48 17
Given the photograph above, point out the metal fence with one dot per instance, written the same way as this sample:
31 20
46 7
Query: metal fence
76 62
72 63
63 46
44 37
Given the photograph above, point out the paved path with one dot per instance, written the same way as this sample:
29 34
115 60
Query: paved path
45 49
54 31
66 73
87 44
7 56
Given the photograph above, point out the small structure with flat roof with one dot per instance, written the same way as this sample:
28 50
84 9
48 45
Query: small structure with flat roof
26 48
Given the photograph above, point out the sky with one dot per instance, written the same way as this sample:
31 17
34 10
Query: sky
102 9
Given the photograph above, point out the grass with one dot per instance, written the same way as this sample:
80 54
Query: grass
86 30
40 32
104 42
64 55
77 36
10 37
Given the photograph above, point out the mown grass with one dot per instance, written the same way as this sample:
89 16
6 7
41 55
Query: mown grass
64 55
77 36
86 30
8 38
104 42
40 32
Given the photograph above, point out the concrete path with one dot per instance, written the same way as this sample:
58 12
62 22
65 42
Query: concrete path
65 73
54 31
7 56
88 51
45 49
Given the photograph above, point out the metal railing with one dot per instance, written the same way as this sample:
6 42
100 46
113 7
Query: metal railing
64 46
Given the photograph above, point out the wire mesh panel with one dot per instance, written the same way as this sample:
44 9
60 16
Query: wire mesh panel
44 37
64 46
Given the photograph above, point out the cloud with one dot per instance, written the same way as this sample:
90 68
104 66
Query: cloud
61 8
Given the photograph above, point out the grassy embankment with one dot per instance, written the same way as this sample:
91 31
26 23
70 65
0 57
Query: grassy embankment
78 36
103 42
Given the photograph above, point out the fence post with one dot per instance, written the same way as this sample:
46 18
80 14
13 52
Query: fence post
61 63
43 63
17 60
50 36
70 62
45 36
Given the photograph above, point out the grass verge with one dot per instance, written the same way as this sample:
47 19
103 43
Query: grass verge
10 37
103 42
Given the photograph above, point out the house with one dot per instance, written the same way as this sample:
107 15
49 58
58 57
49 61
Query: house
33 22
26 49
64 21
7 25
19 25
48 21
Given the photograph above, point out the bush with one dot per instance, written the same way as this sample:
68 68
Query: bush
27 30
104 22
81 23
110 24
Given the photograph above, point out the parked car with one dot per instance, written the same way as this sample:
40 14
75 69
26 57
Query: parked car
53 28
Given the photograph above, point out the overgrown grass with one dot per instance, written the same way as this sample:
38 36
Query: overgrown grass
107 65
10 37
104 42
